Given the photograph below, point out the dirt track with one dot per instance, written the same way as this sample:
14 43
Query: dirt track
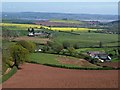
39 76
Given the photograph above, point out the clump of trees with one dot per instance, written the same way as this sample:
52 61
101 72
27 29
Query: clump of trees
30 46
18 53
9 34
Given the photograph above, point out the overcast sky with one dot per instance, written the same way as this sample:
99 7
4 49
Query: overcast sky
62 7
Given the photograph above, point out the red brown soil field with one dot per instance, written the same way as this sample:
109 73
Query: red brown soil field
39 76
75 61
111 64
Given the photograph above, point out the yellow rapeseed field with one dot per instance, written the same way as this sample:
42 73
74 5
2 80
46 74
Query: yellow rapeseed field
25 26
20 25
70 29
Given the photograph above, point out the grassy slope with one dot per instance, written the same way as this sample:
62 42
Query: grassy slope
87 39
44 58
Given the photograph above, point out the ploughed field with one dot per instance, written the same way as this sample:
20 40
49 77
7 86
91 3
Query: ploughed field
40 76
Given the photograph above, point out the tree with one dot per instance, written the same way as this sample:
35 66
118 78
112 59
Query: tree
66 44
33 31
19 54
76 45
89 31
28 29
30 46
71 50
57 47
100 44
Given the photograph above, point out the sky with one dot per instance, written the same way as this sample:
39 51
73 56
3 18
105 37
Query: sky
60 0
110 8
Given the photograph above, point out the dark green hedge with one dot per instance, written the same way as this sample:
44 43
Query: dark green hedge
67 67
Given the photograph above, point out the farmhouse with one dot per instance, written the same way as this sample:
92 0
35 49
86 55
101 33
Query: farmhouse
99 55
32 33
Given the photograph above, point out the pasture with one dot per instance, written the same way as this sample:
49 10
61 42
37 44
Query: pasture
43 58
87 39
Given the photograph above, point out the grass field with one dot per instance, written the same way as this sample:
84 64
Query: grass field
87 39
44 58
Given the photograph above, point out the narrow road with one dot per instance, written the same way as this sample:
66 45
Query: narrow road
39 76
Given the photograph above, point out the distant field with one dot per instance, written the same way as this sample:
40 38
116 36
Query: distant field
71 29
66 21
87 39
11 26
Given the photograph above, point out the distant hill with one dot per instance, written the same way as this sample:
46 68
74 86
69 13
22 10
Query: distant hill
113 26
41 15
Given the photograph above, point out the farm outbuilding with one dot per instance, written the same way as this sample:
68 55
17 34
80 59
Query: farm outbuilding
100 56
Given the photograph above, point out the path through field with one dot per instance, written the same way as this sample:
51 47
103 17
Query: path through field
39 76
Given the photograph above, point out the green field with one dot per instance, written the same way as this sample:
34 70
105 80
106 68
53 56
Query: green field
87 39
43 58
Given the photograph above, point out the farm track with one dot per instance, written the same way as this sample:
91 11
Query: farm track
40 76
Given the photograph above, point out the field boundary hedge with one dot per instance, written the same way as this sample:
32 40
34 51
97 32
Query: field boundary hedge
9 74
77 68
